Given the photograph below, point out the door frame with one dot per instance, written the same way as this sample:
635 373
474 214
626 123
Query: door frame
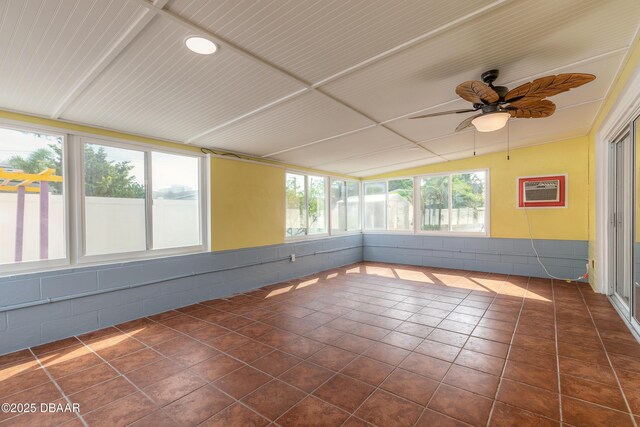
627 219
621 116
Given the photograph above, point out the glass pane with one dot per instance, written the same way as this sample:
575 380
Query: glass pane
353 206
317 205
32 222
114 203
467 200
434 203
338 206
176 201
400 205
374 205
296 215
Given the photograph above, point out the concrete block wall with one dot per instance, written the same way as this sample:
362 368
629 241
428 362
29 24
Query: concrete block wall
89 298
562 258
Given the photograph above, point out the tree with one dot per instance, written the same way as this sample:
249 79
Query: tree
103 177
107 178
435 197
40 160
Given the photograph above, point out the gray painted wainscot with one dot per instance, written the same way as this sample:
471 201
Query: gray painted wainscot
42 307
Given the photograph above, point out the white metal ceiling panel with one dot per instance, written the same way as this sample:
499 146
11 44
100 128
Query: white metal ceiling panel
316 39
395 167
522 39
302 120
361 165
361 143
47 46
160 88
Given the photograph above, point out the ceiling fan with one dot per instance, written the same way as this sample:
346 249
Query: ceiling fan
497 103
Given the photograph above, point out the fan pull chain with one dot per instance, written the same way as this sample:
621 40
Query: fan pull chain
508 141
474 141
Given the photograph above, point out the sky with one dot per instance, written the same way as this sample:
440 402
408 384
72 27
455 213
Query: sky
169 170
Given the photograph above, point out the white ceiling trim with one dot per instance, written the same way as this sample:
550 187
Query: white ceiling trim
127 37
636 35
317 85
450 135
322 140
412 42
443 104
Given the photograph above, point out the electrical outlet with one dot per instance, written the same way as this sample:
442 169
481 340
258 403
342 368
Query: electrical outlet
293 257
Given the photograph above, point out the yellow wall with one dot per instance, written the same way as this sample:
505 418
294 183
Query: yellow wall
247 204
633 62
507 221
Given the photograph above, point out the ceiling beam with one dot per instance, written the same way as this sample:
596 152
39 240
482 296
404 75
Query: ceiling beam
306 85
105 60
452 101
324 165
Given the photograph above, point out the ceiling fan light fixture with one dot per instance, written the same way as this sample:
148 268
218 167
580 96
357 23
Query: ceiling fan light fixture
201 45
490 122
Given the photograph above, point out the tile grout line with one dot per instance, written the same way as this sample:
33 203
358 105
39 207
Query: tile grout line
55 383
606 352
453 362
239 401
121 374
235 401
513 336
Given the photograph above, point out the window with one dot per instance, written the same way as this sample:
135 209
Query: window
306 208
434 203
176 196
345 205
137 200
32 199
400 205
454 202
374 205
388 205
114 200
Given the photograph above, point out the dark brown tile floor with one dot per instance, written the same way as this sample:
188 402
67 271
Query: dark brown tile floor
368 344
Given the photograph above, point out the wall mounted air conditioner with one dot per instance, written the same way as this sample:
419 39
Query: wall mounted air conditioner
542 191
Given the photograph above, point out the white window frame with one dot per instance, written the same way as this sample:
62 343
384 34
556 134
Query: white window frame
83 258
487 202
386 206
49 264
73 184
327 210
358 230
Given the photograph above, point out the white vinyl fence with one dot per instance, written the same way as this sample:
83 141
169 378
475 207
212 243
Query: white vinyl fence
113 225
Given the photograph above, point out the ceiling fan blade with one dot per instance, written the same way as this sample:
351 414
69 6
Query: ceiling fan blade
442 113
477 92
466 122
548 86
534 110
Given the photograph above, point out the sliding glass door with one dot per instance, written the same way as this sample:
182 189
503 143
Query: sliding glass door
620 250
635 307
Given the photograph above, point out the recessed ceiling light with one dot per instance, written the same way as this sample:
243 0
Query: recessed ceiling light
201 45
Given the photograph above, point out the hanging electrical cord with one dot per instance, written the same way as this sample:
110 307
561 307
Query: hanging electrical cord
535 251
221 153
